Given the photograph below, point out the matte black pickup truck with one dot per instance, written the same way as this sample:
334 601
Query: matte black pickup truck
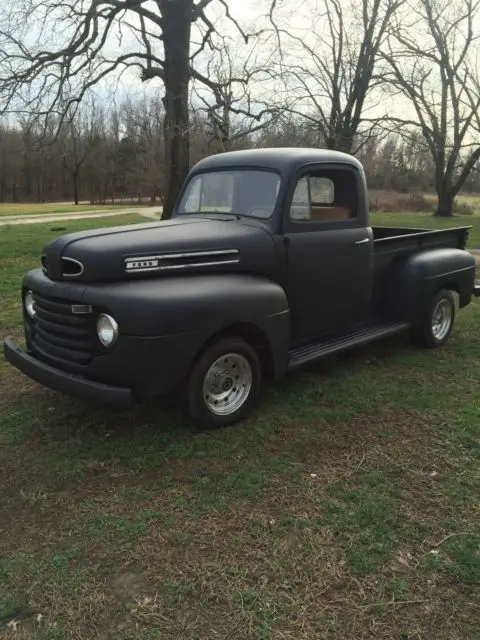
269 262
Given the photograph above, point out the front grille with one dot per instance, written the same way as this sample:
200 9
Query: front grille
59 336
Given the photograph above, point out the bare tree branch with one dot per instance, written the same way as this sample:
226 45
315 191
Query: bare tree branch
230 110
336 71
438 81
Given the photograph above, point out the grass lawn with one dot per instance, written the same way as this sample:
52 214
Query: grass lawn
29 209
346 509
428 221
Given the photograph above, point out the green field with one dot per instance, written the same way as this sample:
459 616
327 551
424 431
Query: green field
346 508
7 209
427 221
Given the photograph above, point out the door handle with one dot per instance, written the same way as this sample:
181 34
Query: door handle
364 241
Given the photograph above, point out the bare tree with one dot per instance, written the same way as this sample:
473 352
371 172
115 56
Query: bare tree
329 70
142 147
434 68
53 52
231 98
9 163
74 145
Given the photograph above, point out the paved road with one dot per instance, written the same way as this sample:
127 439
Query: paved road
146 212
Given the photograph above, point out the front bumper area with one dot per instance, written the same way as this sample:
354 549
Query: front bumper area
64 382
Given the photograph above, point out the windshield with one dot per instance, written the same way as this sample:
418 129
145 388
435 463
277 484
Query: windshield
243 192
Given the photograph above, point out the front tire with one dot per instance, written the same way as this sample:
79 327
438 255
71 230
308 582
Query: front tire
438 323
224 383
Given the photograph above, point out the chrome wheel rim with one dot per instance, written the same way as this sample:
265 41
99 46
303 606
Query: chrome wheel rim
227 384
442 319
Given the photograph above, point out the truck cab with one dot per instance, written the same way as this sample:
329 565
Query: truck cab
269 262
315 208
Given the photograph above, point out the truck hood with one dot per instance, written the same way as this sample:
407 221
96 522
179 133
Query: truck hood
160 248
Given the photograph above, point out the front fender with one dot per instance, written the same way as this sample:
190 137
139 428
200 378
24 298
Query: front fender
413 280
165 322
172 305
203 305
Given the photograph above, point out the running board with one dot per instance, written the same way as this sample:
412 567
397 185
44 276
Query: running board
307 353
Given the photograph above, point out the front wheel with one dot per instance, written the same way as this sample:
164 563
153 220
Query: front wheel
437 325
224 383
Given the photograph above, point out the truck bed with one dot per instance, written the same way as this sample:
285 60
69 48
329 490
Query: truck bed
390 238
392 242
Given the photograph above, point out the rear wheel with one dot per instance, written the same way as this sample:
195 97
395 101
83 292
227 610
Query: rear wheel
224 383
437 325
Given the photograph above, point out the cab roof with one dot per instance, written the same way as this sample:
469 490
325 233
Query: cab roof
282 159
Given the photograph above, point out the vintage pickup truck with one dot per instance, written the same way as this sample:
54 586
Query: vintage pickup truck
269 263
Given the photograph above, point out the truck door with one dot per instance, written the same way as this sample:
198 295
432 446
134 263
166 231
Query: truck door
330 250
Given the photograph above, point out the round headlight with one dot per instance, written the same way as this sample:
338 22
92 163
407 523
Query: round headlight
30 304
107 330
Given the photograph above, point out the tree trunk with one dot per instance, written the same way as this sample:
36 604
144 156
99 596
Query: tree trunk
75 188
177 18
340 140
345 141
445 203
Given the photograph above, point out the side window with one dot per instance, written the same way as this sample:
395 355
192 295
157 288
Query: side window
325 196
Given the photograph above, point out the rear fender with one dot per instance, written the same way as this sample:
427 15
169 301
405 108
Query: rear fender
413 280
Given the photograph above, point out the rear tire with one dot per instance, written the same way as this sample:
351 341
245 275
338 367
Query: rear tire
224 384
435 329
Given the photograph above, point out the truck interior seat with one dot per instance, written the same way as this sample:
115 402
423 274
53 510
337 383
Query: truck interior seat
322 213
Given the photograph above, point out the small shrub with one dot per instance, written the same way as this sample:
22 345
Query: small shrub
395 201
418 202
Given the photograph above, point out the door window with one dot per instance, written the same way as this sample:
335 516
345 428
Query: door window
325 196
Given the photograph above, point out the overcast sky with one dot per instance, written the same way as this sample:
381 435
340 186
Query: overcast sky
303 18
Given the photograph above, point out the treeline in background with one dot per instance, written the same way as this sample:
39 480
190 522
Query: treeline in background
116 154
